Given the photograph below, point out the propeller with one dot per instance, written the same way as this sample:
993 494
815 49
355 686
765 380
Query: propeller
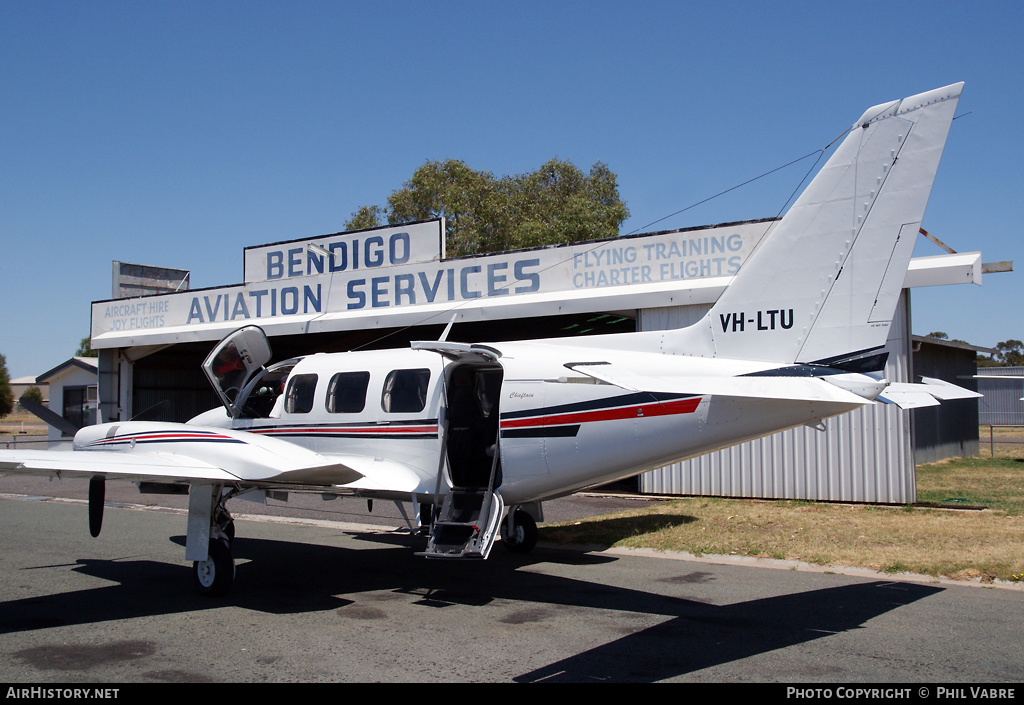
97 485
97 490
52 418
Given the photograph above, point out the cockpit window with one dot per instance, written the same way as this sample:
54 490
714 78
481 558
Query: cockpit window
262 394
405 391
299 396
346 394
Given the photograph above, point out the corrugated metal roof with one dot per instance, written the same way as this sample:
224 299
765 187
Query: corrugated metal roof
959 344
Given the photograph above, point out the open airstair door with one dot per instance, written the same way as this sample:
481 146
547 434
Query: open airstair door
470 516
234 361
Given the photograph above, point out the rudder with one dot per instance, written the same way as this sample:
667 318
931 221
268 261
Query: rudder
825 282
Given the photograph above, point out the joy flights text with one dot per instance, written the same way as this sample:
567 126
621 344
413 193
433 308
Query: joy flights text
62 693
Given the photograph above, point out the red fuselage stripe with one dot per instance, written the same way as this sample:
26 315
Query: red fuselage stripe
284 430
669 408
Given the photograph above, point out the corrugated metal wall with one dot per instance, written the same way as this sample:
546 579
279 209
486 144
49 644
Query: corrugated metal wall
863 456
1002 405
951 428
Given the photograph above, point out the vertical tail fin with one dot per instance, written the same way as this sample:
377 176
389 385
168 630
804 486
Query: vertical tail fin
824 284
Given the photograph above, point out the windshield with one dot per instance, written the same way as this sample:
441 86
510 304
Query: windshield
234 360
258 399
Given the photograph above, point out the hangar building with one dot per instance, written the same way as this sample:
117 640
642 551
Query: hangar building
384 287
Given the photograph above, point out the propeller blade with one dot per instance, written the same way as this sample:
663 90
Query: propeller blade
50 417
97 490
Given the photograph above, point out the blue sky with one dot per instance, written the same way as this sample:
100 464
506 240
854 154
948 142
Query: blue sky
177 133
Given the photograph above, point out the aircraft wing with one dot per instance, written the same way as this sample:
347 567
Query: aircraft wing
162 452
795 388
71 463
384 477
158 467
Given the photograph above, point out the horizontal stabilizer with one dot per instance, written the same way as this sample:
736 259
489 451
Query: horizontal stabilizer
907 398
931 392
793 388
945 390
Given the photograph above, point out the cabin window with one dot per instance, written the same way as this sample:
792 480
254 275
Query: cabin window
405 391
299 397
346 394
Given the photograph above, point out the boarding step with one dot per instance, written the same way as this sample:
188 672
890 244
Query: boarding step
467 527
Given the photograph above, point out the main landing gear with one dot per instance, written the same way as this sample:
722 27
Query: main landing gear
215 575
518 532
211 531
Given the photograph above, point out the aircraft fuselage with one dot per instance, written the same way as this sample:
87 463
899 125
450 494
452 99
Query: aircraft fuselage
559 430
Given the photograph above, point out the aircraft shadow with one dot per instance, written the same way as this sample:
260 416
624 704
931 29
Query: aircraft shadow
609 530
276 577
701 636
279 577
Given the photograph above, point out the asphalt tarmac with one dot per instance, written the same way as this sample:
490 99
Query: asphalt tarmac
327 600
308 506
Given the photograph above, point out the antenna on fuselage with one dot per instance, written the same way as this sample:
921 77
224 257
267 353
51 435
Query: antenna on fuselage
447 329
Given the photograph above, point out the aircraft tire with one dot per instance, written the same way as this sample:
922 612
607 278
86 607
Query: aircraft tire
214 576
523 536
226 524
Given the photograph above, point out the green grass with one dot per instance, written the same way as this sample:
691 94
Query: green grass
996 483
970 543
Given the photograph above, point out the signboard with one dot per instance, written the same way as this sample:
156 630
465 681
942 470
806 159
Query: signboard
346 252
291 294
141 280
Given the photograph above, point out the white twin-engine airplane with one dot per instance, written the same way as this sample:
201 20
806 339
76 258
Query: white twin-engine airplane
480 435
